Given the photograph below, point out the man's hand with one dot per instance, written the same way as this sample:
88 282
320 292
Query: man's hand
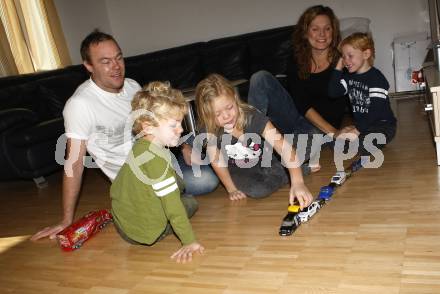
50 232
185 253
73 169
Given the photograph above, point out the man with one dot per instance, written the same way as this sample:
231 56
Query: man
95 121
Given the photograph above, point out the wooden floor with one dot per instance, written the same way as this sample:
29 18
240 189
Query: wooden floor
379 234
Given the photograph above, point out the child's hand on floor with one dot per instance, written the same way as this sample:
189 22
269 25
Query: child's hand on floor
184 254
301 193
236 195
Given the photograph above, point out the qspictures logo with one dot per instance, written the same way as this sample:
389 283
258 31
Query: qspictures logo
308 149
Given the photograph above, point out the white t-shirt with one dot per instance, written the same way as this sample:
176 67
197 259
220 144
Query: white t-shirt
101 118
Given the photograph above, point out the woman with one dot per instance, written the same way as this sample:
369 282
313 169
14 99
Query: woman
306 107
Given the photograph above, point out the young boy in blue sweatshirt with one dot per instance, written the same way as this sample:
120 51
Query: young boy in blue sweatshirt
367 89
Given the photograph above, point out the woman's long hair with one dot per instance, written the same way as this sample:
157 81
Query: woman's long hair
301 46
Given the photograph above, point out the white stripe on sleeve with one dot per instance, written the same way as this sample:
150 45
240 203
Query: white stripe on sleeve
379 90
167 190
378 95
164 183
344 84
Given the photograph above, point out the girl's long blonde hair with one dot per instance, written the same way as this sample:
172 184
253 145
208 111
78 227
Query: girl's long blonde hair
207 91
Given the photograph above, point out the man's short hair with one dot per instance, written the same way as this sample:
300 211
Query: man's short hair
94 38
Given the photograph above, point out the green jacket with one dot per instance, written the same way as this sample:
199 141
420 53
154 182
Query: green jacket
145 196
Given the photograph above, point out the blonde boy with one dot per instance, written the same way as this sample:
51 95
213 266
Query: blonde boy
146 200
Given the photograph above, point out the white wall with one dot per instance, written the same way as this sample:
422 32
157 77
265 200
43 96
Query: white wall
78 18
142 26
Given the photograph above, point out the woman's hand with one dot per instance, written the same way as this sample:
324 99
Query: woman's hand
350 133
301 193
236 195
185 253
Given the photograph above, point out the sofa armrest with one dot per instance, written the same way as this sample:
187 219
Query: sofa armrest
16 117
42 132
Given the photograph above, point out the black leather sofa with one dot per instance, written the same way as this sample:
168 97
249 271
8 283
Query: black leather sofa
31 105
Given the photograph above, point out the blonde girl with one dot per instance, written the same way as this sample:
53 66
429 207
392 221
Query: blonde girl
239 140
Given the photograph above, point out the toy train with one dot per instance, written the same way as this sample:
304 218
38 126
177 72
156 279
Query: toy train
295 217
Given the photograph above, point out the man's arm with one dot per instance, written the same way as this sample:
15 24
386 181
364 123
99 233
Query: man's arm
72 178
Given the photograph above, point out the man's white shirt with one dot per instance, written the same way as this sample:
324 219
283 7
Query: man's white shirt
102 119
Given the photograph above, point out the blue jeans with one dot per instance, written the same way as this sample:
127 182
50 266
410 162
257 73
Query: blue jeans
272 99
206 183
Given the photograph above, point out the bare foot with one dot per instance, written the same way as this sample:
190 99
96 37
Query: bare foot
315 168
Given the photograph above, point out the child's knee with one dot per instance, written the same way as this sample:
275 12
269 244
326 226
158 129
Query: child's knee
190 203
260 190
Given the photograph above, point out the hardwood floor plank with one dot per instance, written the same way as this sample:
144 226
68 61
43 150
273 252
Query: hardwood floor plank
379 234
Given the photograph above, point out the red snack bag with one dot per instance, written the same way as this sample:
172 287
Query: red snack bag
76 234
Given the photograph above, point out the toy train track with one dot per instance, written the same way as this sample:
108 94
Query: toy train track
295 217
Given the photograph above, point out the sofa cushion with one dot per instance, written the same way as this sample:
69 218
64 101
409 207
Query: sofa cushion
35 161
54 103
270 52
56 90
30 77
62 85
45 97
15 118
181 66
228 57
25 96
48 130
181 71
135 72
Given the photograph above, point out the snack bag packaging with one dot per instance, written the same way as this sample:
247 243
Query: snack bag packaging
76 234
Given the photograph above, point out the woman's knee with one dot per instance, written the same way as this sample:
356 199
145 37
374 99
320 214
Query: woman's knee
261 77
190 203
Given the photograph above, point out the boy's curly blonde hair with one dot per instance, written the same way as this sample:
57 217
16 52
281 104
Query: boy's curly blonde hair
360 41
157 101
